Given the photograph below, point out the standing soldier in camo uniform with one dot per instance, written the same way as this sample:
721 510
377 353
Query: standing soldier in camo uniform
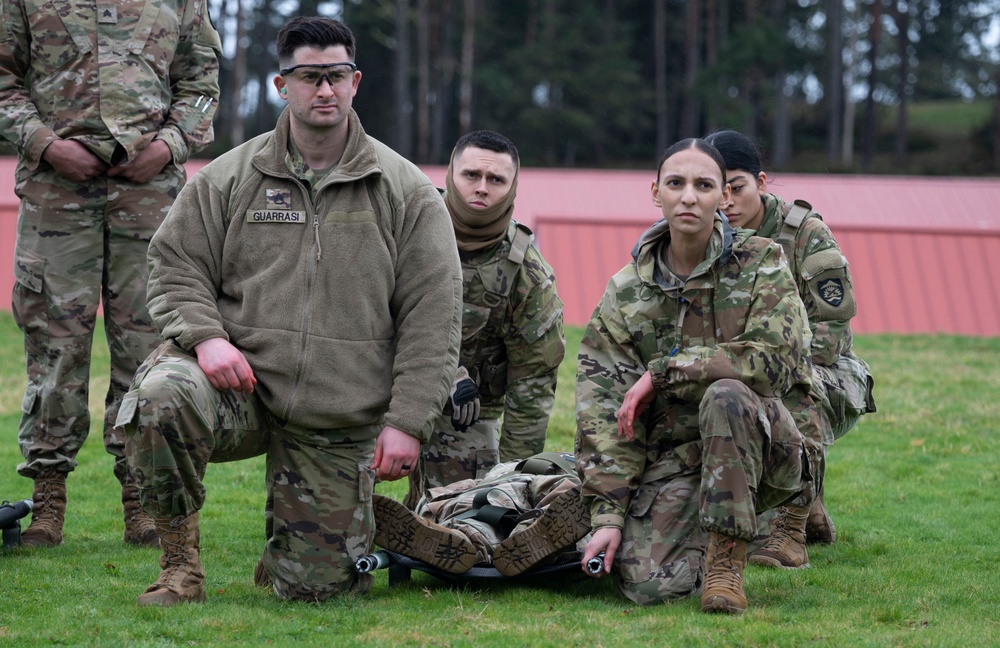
105 102
308 289
841 381
512 332
692 373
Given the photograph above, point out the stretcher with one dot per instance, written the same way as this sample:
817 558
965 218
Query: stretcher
401 568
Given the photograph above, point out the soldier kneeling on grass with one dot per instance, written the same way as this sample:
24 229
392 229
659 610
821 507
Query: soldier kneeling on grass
692 388
520 515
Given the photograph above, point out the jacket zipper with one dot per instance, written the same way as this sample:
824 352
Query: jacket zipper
310 275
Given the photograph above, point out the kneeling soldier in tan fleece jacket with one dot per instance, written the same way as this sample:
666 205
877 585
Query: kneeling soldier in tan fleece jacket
308 286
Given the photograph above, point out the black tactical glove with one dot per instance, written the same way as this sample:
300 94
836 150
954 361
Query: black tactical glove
464 401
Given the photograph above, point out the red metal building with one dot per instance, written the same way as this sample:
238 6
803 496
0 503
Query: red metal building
924 252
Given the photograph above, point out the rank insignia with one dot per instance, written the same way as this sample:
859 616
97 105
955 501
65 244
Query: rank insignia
107 14
279 198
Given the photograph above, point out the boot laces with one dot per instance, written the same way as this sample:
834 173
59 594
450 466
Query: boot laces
44 515
174 550
780 534
724 573
48 494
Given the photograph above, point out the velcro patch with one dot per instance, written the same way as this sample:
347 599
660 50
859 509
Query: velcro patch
831 291
107 14
275 216
279 198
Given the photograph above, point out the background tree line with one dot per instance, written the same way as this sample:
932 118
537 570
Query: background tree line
825 85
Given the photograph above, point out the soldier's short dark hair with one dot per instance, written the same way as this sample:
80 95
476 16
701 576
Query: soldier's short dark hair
313 31
489 140
738 150
695 143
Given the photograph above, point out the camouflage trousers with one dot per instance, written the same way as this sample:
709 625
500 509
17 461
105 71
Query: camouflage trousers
319 482
450 456
78 245
749 457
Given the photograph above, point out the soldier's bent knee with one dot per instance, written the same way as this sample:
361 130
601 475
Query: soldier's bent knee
668 582
289 587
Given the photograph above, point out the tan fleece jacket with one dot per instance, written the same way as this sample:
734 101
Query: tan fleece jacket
347 309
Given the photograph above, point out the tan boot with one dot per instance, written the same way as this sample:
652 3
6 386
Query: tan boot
139 526
819 526
182 577
399 529
260 576
786 546
560 525
724 562
48 511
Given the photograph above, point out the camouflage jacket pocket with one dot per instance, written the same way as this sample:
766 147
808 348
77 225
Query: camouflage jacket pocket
54 43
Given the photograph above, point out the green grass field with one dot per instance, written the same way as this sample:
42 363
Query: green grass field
913 490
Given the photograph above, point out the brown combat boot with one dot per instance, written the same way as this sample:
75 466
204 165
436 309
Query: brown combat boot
786 546
560 525
139 527
260 576
724 562
399 529
48 511
182 577
819 526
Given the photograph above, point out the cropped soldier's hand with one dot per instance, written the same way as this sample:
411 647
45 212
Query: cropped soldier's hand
464 401
396 454
73 161
146 164
607 540
636 399
225 365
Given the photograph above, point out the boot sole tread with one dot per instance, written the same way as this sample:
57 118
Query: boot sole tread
399 529
562 524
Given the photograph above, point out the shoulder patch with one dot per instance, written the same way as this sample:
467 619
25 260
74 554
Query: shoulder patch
831 291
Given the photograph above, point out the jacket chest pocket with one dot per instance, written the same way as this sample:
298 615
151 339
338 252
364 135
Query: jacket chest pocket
54 44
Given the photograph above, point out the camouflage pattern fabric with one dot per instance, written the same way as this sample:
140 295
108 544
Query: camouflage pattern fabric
506 487
79 244
319 482
749 458
823 278
844 393
452 456
727 350
512 344
111 78
108 76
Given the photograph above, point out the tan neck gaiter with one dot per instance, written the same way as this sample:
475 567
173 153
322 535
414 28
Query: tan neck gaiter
478 229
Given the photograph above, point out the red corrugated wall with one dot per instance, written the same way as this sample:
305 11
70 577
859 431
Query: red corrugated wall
924 252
